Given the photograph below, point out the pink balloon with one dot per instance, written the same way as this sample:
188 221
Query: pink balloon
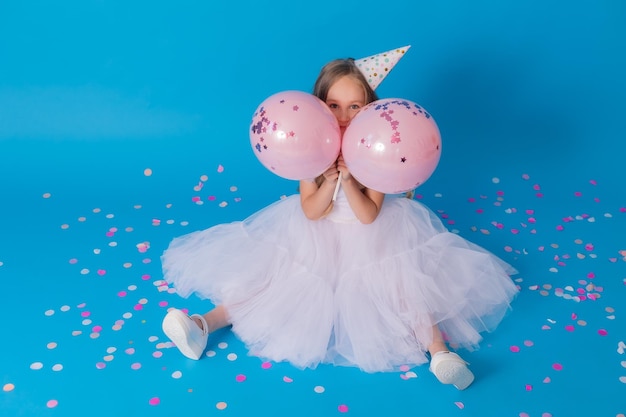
392 146
295 135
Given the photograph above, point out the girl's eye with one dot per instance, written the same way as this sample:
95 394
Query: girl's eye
332 106
355 107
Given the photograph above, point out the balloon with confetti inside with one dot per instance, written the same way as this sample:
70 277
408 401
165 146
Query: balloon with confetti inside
392 146
295 135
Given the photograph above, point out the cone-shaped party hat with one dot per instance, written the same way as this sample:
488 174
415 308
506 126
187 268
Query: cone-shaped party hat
376 67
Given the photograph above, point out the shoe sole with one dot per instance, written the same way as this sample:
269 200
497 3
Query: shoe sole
174 324
455 373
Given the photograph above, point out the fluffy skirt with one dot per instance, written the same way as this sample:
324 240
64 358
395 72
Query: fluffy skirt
312 292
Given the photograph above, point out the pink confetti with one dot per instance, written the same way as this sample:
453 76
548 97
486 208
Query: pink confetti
97 329
578 194
529 387
102 272
287 379
154 401
460 405
220 168
52 403
591 275
240 378
266 365
343 408
514 349
593 182
560 228
122 294
195 199
138 307
547 380
569 328
557 367
85 314
603 332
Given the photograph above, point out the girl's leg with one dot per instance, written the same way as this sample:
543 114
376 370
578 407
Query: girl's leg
438 345
216 319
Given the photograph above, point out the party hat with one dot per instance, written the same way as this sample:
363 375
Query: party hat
376 67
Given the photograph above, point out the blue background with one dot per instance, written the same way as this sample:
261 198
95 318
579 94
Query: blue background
94 92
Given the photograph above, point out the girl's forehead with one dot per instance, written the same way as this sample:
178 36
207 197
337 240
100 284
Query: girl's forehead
347 88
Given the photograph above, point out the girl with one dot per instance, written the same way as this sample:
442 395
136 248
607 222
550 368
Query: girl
368 280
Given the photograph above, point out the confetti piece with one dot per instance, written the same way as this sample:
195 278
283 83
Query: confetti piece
154 401
343 408
147 172
8 387
52 403
240 378
319 389
287 379
460 405
220 169
221 405
557 367
602 332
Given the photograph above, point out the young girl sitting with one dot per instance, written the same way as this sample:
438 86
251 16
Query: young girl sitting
367 280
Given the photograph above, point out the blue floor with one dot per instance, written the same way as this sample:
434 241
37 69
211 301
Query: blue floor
115 141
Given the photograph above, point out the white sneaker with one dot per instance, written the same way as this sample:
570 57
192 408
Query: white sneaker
449 368
190 339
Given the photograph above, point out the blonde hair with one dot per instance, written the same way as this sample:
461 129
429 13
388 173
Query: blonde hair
336 69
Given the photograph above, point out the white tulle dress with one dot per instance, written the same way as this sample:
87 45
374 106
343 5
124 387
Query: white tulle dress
338 291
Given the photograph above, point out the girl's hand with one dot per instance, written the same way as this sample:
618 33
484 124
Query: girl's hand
331 174
341 166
